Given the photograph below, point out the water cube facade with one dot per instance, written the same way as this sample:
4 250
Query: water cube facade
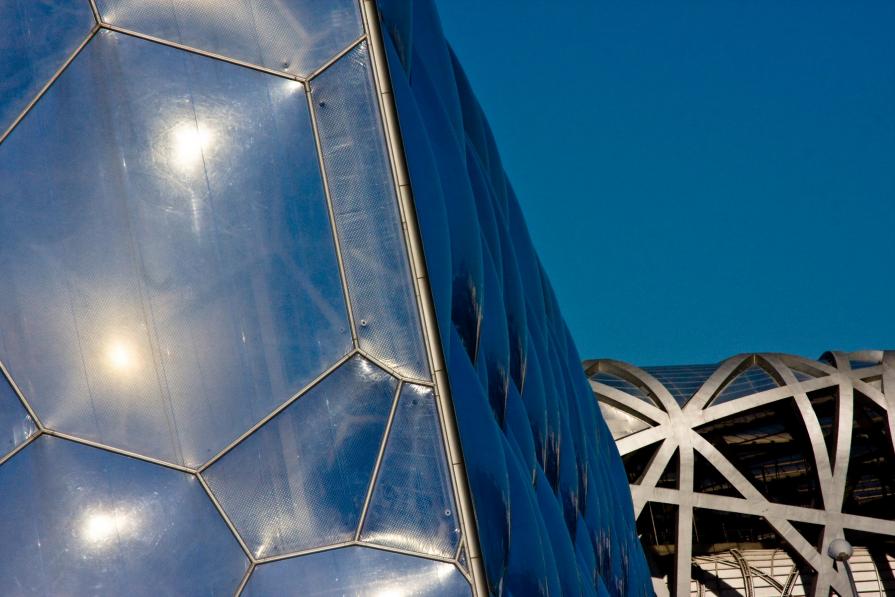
249 347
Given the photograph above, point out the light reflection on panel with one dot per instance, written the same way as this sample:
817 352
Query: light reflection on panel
168 262
81 521
357 571
301 479
38 37
16 425
367 216
412 506
620 422
295 36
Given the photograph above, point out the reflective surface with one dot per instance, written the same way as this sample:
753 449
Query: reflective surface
620 422
356 571
176 280
552 506
295 36
751 381
82 521
38 37
173 289
412 506
15 424
301 479
376 265
682 380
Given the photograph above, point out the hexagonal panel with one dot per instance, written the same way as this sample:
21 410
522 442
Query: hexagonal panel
83 521
300 481
413 506
16 425
357 571
38 37
294 36
169 268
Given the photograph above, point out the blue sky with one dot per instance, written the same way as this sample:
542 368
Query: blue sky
724 170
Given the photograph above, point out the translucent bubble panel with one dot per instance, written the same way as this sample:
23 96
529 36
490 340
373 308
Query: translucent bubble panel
301 479
168 261
38 37
413 506
546 482
357 571
16 425
294 36
383 299
82 521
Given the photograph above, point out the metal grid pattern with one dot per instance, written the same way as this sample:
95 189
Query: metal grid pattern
430 564
806 456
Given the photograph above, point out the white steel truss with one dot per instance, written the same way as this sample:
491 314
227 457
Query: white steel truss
660 418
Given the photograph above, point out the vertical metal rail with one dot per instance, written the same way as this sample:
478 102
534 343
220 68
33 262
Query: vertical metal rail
423 291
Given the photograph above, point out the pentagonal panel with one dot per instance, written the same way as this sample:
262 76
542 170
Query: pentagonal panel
357 571
82 521
413 503
367 217
294 36
167 256
16 425
38 37
301 479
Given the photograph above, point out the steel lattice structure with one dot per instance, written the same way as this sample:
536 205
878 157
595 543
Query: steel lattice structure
801 444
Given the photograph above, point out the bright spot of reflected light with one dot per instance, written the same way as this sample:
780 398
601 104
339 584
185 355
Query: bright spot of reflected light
121 356
390 593
99 528
292 86
189 141
445 571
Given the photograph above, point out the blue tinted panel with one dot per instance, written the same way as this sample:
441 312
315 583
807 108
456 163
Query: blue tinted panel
173 280
518 429
296 36
557 536
355 571
82 521
38 36
367 217
413 504
301 479
15 424
526 568
486 466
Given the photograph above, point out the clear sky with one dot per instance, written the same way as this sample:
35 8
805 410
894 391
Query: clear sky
701 178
